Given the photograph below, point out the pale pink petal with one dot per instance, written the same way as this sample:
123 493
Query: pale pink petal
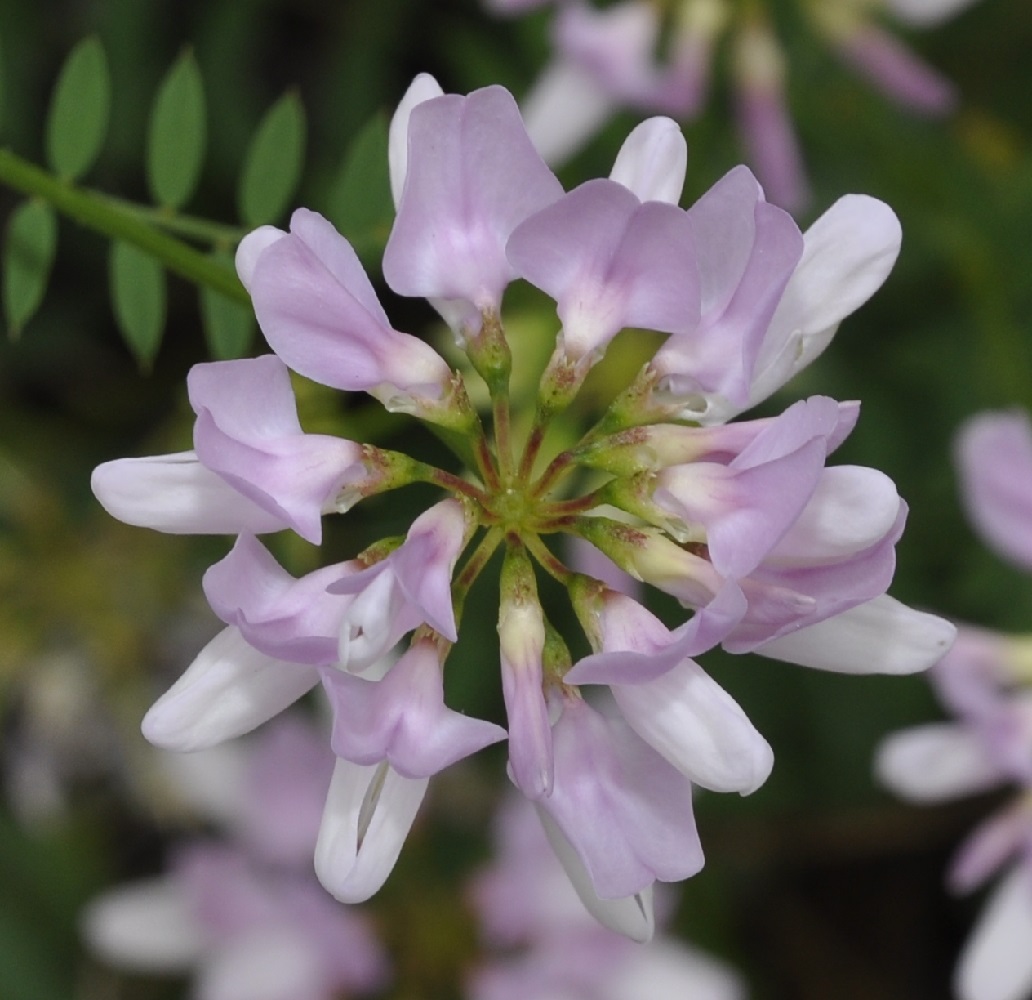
228 690
177 494
713 368
403 718
251 247
610 262
521 634
636 646
880 636
283 617
631 916
747 511
653 161
584 558
369 811
473 176
993 454
697 726
847 255
248 432
626 810
422 88
851 509
320 314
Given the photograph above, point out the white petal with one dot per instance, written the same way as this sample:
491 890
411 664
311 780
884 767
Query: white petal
146 926
997 961
175 493
564 110
847 255
228 690
697 726
631 916
652 161
926 12
251 248
935 762
851 509
881 636
369 811
422 88
668 968
269 963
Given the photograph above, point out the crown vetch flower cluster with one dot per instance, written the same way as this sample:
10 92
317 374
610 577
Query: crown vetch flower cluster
657 58
743 523
985 683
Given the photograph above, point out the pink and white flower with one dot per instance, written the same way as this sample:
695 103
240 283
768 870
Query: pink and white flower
984 683
242 914
745 524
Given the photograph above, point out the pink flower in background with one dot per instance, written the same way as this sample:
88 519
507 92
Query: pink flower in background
252 468
633 55
985 682
243 915
766 546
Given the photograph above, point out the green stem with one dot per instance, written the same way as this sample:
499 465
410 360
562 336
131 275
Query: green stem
486 465
530 452
552 564
99 213
566 508
390 470
502 431
552 474
190 226
476 562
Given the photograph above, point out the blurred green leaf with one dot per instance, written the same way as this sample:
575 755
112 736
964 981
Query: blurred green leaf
360 202
177 134
47 876
3 87
138 297
28 258
272 166
228 325
78 115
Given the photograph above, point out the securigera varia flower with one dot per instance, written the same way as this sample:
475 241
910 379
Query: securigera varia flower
740 522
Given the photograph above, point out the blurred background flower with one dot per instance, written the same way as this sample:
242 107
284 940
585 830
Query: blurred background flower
659 58
985 683
243 912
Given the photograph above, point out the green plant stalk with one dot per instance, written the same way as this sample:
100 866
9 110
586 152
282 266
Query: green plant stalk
100 214
219 234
